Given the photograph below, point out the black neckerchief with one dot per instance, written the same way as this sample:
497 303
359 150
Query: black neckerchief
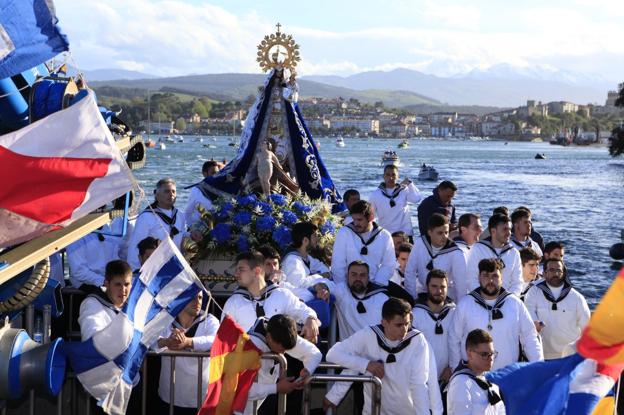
374 232
528 287
264 295
305 261
169 221
371 290
488 243
548 295
101 296
259 328
382 342
395 192
192 329
449 247
493 396
520 244
494 312
459 241
449 305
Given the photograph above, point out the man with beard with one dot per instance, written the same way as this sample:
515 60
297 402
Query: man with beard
159 220
441 201
365 241
435 250
497 246
522 227
490 307
299 267
391 201
559 309
432 315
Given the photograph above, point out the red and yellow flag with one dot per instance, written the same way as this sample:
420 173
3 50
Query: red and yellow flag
234 363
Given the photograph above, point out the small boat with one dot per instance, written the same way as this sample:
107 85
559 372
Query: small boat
200 140
340 142
169 139
540 156
232 144
428 173
150 143
162 146
210 146
390 158
404 144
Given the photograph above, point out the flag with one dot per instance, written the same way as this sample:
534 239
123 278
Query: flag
109 362
29 35
573 385
234 363
58 170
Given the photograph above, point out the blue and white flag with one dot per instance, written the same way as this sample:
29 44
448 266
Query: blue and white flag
29 35
109 362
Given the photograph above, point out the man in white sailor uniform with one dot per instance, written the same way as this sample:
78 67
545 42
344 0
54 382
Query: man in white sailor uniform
530 269
299 267
199 196
279 335
522 227
558 309
502 314
469 229
100 307
497 245
88 256
391 201
432 315
364 240
257 298
160 219
404 251
193 329
397 354
350 198
469 392
435 250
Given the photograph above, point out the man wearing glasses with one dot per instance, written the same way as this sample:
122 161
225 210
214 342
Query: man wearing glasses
469 392
490 307
559 311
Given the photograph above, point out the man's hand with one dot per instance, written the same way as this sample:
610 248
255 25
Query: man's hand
322 292
327 404
179 341
406 182
446 374
287 385
310 329
376 369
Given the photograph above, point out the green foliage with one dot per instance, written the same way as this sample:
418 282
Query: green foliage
180 124
616 145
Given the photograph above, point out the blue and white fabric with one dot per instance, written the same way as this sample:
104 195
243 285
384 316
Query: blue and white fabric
108 363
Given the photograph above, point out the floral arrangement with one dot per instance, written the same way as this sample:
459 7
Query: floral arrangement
240 223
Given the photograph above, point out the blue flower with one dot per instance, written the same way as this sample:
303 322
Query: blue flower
246 200
301 207
242 218
282 236
265 223
225 209
279 200
289 218
328 227
266 208
221 233
242 243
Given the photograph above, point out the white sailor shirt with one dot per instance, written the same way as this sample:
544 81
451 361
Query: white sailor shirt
512 272
563 311
268 374
96 313
435 327
465 397
392 206
203 331
88 256
246 309
379 255
528 243
422 260
300 272
150 224
506 319
196 197
410 381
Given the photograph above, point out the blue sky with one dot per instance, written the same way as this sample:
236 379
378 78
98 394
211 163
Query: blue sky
441 37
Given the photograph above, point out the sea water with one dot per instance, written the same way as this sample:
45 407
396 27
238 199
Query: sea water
575 194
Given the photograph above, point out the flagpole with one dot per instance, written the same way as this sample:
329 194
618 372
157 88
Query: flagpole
617 395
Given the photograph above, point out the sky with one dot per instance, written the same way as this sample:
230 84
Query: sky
439 37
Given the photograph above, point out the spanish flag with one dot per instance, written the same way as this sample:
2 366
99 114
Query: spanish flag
234 363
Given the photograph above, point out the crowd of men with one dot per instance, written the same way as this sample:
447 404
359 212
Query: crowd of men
427 314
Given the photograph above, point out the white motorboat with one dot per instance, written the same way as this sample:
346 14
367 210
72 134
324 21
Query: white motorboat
404 144
340 142
390 157
428 173
161 146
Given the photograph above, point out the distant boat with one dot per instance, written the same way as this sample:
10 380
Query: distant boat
162 146
540 156
169 139
340 142
404 144
428 173
150 143
210 146
200 140
390 158
537 140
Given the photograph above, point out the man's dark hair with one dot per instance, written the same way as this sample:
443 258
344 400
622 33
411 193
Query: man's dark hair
496 220
164 181
400 234
528 254
500 210
446 184
549 260
465 220
147 243
358 262
395 307
362 207
390 167
477 337
268 252
436 273
208 165
436 220
117 268
349 194
552 245
490 265
405 247
302 230
254 259
523 208
519 214
283 330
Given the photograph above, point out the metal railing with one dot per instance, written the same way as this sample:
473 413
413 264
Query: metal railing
318 378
